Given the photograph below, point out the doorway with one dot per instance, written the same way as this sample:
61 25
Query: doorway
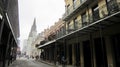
87 53
77 54
70 54
100 52
116 49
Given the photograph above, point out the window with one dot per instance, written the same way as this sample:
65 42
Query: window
74 3
75 23
112 6
63 30
95 11
84 17
70 27
68 8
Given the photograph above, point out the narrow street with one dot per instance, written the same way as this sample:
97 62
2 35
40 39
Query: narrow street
28 63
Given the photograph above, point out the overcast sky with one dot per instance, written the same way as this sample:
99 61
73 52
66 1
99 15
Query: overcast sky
46 12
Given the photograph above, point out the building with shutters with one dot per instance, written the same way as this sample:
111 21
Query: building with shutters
91 36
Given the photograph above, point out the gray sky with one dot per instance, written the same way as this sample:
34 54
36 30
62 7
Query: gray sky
46 12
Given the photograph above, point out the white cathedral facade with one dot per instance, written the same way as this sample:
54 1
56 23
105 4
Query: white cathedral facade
31 39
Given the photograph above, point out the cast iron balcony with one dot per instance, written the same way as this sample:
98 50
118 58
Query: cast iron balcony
113 6
76 25
73 9
94 18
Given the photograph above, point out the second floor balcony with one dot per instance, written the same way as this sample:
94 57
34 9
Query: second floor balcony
112 9
93 23
73 9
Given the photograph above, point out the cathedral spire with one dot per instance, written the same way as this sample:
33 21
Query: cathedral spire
33 29
34 25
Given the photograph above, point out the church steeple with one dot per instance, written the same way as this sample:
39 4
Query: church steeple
33 29
34 25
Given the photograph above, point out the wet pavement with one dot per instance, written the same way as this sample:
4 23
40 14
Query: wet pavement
22 62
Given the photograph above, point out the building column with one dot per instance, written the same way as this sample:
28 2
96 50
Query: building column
49 54
92 51
67 54
73 54
81 55
109 51
55 53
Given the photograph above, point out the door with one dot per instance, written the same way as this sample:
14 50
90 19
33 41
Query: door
77 54
100 52
87 53
116 49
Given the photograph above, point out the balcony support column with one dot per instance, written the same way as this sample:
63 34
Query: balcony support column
93 59
109 51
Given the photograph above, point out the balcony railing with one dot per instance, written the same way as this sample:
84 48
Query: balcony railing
112 7
76 25
69 10
96 15
90 20
74 7
61 32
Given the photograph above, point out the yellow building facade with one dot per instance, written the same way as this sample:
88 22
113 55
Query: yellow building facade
91 36
81 49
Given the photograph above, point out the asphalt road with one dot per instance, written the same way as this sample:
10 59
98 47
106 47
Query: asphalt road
28 63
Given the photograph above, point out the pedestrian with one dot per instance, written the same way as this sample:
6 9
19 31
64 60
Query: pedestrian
36 57
57 60
63 61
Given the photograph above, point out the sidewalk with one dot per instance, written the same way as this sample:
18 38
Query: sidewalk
46 62
52 64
